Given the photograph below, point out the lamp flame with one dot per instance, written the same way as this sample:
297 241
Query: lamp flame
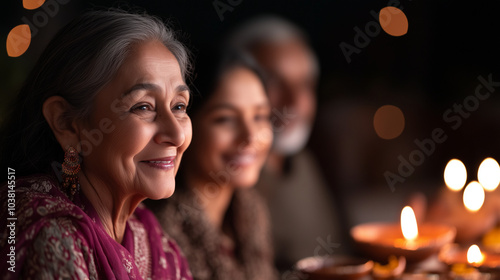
488 174
474 255
473 196
409 223
455 175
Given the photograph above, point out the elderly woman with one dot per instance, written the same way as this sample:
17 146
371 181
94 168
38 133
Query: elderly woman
216 216
107 99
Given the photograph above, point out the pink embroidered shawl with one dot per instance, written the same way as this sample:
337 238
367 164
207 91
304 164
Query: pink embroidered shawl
56 238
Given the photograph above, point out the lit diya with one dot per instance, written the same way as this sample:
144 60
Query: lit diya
456 256
415 243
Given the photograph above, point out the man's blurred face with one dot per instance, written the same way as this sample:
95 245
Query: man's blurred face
291 87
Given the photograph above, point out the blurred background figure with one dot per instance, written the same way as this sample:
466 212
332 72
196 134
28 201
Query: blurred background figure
301 204
217 217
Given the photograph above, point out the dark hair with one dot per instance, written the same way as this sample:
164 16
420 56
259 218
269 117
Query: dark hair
211 64
78 62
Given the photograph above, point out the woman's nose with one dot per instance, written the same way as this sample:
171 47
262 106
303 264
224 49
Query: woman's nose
247 132
170 130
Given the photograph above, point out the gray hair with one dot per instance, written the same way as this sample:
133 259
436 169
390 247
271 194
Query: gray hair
265 29
268 30
87 53
78 62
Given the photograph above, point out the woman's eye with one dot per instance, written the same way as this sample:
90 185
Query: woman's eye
180 107
224 120
142 107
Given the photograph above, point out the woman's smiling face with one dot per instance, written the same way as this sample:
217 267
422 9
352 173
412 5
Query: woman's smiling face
139 129
232 131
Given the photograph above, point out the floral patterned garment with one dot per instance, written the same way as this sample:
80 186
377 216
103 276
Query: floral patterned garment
56 238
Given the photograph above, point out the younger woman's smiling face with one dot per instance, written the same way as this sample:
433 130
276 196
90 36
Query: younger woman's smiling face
141 115
232 131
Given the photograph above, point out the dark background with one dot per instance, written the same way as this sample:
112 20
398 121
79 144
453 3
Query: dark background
425 72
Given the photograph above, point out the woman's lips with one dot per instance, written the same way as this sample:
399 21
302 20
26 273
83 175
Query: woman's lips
165 163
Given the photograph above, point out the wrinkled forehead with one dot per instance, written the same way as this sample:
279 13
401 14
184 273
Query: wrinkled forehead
150 57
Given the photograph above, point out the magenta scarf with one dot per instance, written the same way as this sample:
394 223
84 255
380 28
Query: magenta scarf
57 238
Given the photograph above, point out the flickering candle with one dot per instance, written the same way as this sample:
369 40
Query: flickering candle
414 242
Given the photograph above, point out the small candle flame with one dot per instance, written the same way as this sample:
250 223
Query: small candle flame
474 255
455 175
409 223
488 174
473 196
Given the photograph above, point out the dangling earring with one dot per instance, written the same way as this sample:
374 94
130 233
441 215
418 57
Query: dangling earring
70 169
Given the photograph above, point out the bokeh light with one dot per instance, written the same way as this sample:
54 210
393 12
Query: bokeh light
473 196
393 21
32 4
455 175
488 174
18 40
389 122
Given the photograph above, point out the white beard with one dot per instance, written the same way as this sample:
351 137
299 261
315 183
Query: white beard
292 139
